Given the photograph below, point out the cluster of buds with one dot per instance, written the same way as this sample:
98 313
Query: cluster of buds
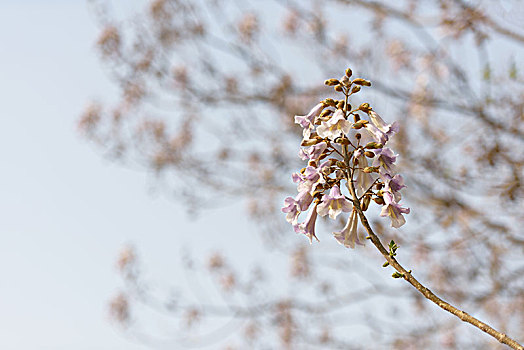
343 147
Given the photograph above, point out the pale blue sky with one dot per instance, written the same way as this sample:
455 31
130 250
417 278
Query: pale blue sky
65 212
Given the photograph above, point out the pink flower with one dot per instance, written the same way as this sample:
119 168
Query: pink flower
308 227
314 152
306 121
385 159
388 129
393 210
334 203
348 236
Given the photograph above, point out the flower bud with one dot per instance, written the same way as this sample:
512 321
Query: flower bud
310 142
370 169
349 72
340 105
338 88
329 102
325 112
363 82
360 124
373 145
342 140
364 107
355 89
379 200
331 82
344 81
358 136
369 154
365 203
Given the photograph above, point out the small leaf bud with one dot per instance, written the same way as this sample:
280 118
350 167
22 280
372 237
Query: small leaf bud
338 88
373 145
397 275
349 72
331 82
363 82
386 264
355 89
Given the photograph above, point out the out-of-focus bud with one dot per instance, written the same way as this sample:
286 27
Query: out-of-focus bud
370 169
338 88
355 89
331 82
344 81
374 145
349 72
340 105
363 82
360 124
358 136
369 154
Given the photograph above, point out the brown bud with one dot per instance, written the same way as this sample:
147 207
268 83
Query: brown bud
360 124
344 81
373 145
329 102
340 164
338 88
370 169
331 82
365 203
342 140
355 89
340 105
349 72
364 107
363 82
356 117
310 142
369 154
358 135
325 112
379 200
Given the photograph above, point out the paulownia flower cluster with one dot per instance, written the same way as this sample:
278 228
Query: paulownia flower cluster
346 150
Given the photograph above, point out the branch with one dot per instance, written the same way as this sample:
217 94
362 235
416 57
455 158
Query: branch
464 316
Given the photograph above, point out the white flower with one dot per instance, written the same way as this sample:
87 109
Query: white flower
335 127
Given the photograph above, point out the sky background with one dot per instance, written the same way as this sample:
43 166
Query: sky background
65 211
